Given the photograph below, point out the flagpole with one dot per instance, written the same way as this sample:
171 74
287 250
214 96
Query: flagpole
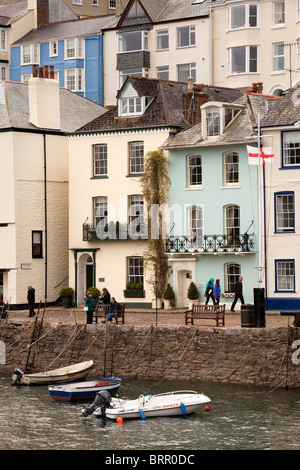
259 201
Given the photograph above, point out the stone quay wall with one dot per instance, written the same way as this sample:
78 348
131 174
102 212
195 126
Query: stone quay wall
256 356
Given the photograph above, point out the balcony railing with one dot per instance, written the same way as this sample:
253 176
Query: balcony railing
211 244
113 232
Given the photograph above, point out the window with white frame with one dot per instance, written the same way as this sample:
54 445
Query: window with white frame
135 269
131 106
194 170
77 2
53 48
243 59
278 13
243 16
74 79
73 48
136 215
30 54
133 41
136 157
291 149
111 4
100 159
232 274
37 243
186 36
184 71
285 275
213 121
278 56
162 72
162 39
95 3
138 72
195 226
25 77
2 39
231 168
284 212
100 211
136 10
232 225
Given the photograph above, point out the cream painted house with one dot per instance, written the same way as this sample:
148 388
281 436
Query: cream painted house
255 41
34 189
106 163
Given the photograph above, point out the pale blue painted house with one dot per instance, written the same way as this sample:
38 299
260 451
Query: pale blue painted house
74 48
214 197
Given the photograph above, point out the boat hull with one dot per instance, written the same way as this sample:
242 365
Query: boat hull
65 374
84 390
173 404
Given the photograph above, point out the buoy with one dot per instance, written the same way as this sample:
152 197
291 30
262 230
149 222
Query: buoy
207 408
119 420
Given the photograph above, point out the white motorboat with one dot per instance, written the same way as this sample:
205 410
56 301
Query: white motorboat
177 403
64 374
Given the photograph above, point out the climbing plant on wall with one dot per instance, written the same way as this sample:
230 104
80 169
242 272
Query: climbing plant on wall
155 185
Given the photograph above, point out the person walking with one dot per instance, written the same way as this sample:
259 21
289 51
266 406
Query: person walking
238 292
31 300
217 292
209 290
90 305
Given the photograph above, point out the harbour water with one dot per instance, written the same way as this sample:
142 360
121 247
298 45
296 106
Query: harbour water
241 418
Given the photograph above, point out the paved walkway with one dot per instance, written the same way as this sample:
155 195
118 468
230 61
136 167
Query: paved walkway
135 317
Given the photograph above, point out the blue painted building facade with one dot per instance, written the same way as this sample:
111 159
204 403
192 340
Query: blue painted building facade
74 48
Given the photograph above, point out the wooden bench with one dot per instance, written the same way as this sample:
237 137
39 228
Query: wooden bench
102 310
213 312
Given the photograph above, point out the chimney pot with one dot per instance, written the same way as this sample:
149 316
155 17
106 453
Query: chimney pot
190 84
260 88
52 72
41 72
46 75
34 70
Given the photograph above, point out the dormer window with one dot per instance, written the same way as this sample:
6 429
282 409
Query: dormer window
217 116
131 106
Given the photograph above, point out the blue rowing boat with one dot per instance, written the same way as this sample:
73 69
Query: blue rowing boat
85 389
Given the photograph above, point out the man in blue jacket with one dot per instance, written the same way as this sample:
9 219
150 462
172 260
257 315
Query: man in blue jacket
112 312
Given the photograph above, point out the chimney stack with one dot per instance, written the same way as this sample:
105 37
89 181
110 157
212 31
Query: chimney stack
192 100
44 101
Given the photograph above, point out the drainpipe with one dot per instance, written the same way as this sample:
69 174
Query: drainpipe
46 218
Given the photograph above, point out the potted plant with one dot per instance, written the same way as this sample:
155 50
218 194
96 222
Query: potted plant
66 294
134 289
193 294
94 291
169 298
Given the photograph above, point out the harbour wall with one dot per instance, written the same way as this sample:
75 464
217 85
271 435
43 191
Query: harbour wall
256 356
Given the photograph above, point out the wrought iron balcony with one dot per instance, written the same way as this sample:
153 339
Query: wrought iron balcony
211 244
113 232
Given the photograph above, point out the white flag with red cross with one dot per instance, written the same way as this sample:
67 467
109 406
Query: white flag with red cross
266 155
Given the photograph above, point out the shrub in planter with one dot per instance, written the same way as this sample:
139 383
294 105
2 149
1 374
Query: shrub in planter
66 293
169 297
94 291
193 295
134 289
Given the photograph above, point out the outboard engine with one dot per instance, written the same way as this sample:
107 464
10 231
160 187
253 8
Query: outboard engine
17 376
102 401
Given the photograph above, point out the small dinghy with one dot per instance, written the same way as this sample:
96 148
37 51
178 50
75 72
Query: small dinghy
164 404
85 389
65 374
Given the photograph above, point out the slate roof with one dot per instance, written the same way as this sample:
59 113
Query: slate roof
14 108
284 112
164 110
67 29
9 12
240 131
